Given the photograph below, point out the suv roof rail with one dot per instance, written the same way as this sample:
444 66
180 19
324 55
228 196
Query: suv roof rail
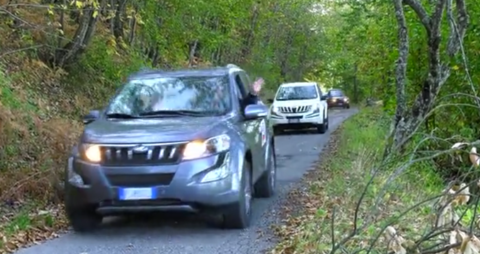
230 65
144 68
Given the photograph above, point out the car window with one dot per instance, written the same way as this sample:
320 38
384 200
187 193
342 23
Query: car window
203 94
238 93
241 86
297 93
336 93
246 83
319 90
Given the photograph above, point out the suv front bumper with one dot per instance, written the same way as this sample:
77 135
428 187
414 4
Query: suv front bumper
296 120
179 186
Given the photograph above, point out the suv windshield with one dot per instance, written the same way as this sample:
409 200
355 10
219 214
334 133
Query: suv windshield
169 95
336 93
296 93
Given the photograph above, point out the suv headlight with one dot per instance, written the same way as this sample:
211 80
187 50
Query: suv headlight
91 152
202 148
316 109
274 109
218 173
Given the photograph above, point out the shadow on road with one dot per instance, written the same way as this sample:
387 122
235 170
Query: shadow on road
297 132
149 221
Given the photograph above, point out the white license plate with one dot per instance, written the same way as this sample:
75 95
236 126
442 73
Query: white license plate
293 120
136 193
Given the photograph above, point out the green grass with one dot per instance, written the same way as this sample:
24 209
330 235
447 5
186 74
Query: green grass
342 178
23 220
10 99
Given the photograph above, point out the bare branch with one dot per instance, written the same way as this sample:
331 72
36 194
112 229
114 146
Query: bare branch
421 13
458 26
20 50
436 19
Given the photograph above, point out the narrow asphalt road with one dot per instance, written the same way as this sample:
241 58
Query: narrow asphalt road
296 152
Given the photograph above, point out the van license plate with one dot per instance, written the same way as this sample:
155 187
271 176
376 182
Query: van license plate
135 193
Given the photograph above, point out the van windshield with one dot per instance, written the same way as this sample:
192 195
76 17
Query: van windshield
286 93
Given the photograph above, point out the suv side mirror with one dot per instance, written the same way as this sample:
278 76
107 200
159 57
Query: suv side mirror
91 116
270 100
255 111
324 97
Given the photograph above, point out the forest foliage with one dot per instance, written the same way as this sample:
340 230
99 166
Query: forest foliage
61 58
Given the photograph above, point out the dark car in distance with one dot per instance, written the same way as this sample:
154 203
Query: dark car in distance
181 141
337 98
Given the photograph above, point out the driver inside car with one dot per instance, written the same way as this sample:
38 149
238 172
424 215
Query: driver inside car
151 100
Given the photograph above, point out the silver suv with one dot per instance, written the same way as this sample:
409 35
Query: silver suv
188 140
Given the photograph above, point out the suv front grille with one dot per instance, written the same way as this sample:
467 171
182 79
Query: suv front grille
295 109
130 155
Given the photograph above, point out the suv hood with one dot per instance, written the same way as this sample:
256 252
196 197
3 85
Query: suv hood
158 130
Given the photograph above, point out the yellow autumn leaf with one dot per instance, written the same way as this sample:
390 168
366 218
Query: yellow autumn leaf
50 10
455 67
78 4
95 13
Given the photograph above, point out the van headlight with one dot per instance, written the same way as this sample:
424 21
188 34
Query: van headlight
91 152
202 148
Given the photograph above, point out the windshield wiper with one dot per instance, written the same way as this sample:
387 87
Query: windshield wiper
176 113
121 116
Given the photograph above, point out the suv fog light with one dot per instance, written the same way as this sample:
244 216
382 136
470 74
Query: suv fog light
218 173
72 176
75 178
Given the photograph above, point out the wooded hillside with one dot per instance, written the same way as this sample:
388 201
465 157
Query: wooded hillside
61 58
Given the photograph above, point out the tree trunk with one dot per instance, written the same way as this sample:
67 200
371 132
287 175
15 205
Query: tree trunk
83 35
118 23
407 121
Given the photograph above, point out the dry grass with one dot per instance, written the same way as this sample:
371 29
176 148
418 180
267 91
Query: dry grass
39 124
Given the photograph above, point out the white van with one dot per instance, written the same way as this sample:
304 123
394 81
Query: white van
299 105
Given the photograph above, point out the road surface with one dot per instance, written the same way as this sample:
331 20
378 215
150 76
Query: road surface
296 153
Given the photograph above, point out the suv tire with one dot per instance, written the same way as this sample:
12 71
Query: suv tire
238 215
83 219
277 131
322 128
265 186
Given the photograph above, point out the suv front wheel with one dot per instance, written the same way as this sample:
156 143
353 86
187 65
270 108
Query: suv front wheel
323 127
83 219
238 216
265 186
